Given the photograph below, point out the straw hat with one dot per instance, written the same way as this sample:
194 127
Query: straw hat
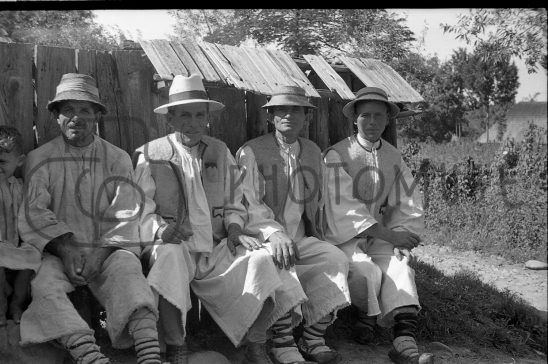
79 87
188 90
288 96
370 94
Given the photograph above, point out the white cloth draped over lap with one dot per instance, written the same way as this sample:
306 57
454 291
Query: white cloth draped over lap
232 289
322 269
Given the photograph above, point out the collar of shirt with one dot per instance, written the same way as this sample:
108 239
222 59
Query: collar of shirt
292 149
369 146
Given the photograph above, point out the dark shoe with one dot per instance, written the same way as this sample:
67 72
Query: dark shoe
256 353
363 334
330 356
177 354
399 358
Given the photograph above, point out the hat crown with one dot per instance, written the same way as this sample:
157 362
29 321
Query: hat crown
185 84
79 87
373 91
289 90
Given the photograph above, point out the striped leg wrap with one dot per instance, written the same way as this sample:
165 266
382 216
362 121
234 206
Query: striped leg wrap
313 336
284 347
142 327
83 349
405 324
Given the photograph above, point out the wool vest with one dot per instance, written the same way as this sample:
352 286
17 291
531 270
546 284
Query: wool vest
170 197
273 165
354 158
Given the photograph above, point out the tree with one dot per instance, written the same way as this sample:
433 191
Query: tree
486 83
364 32
511 32
74 28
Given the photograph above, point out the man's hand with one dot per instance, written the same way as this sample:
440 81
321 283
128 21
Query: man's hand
284 250
236 237
73 261
173 233
405 240
94 261
400 239
400 253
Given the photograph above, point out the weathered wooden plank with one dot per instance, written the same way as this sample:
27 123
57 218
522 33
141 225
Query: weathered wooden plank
253 70
257 122
404 87
186 59
201 60
256 59
230 125
379 78
51 64
222 65
340 126
135 77
86 62
16 91
293 71
328 75
319 125
237 62
162 69
274 69
169 57
111 97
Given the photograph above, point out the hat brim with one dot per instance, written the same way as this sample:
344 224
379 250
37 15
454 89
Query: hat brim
350 112
213 105
76 96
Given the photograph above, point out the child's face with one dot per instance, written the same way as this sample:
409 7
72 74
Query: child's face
8 163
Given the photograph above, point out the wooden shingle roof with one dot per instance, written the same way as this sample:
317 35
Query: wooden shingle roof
261 70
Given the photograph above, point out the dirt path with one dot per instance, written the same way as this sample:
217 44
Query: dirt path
531 285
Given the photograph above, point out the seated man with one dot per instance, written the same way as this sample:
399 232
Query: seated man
81 210
282 185
374 214
194 234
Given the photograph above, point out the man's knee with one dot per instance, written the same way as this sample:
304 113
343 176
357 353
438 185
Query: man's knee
365 270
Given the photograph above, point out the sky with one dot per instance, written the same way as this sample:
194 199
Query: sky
158 24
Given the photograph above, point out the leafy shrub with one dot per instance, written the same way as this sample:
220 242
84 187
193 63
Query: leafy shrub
498 207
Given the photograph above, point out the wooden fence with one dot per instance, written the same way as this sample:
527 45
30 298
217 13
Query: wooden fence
29 75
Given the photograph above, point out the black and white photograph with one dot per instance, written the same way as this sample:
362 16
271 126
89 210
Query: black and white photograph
272 186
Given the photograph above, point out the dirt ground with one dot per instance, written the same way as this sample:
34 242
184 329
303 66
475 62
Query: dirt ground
529 284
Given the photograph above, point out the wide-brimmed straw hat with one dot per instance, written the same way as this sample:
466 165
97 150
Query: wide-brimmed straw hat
79 87
188 90
370 94
288 96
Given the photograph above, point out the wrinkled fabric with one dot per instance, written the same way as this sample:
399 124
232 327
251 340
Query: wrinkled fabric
13 253
379 282
52 315
86 191
234 290
90 193
322 269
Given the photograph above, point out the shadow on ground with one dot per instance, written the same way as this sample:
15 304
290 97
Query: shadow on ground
462 320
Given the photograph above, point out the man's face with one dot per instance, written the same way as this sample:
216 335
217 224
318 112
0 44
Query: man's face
77 120
191 120
372 118
9 162
288 120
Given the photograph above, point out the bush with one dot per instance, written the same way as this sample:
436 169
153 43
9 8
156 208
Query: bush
498 206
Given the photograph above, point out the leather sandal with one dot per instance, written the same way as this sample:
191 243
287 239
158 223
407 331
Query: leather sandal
330 356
